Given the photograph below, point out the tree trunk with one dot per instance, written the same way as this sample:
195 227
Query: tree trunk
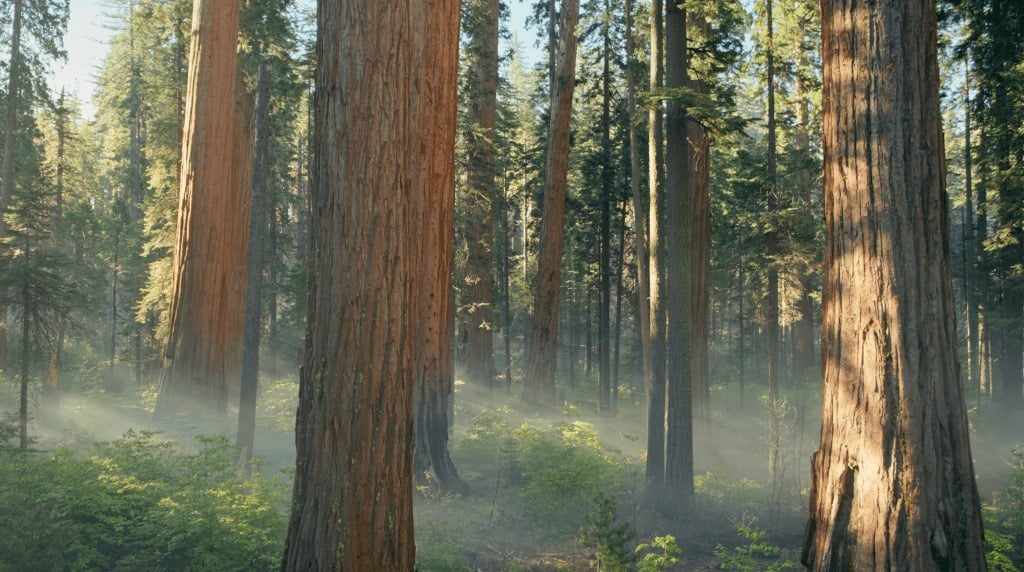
539 384
678 207
803 330
352 499
655 469
639 205
478 291
434 188
249 387
893 486
771 243
204 346
605 257
698 182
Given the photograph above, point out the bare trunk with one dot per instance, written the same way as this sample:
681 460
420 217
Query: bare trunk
698 182
771 242
204 346
249 386
678 207
352 499
604 262
539 385
434 190
893 486
639 205
655 469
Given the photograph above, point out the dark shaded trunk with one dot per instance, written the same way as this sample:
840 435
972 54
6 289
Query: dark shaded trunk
249 386
678 207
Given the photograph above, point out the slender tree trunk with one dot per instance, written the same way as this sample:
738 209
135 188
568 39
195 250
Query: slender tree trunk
352 499
970 244
639 204
698 182
539 385
204 346
655 469
772 306
678 206
434 186
893 485
478 291
803 330
249 386
26 334
605 257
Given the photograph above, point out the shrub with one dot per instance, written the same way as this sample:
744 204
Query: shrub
138 504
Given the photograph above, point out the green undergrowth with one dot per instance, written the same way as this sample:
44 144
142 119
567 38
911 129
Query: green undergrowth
138 503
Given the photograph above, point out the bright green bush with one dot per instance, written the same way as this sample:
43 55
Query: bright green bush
563 468
137 504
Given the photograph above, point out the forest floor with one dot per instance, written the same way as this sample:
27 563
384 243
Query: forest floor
515 517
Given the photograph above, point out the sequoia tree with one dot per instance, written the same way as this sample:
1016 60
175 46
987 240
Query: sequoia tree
352 497
539 387
892 481
204 346
434 150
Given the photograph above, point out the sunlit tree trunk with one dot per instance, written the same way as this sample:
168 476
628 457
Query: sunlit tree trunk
352 498
433 186
478 290
893 485
204 346
655 469
539 384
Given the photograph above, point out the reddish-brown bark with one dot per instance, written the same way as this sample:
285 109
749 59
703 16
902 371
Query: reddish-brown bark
204 346
892 481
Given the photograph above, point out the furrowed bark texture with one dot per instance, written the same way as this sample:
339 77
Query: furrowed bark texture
539 385
352 498
434 204
892 482
204 347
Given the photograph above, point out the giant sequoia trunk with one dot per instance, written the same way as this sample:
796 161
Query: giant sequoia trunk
204 347
434 185
892 482
478 290
352 498
539 386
